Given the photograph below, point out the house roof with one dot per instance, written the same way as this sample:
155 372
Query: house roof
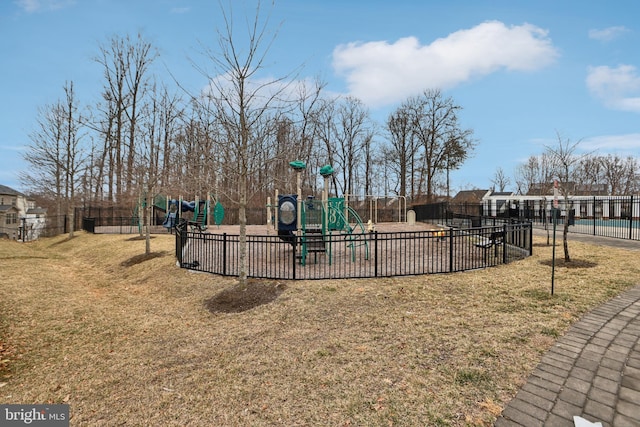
37 211
469 196
7 208
9 191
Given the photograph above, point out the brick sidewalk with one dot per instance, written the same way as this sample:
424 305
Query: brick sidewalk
593 372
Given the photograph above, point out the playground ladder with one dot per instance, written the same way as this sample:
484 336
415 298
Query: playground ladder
315 228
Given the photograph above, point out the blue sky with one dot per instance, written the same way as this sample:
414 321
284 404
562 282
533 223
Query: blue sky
523 71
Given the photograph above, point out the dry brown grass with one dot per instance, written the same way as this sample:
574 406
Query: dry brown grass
128 340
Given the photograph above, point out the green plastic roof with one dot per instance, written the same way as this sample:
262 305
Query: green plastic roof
298 164
326 170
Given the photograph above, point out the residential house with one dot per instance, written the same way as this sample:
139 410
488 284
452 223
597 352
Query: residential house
20 219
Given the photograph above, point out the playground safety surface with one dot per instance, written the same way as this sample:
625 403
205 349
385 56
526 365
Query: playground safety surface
383 227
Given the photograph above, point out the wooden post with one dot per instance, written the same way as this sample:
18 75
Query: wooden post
275 220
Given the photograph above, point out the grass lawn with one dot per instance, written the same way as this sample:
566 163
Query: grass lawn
128 339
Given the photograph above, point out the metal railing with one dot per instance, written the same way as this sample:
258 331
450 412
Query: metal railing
617 217
364 255
32 228
114 225
119 225
614 216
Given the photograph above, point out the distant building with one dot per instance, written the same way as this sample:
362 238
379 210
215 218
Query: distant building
20 219
585 201
584 205
467 203
576 189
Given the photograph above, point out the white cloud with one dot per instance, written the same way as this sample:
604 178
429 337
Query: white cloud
613 143
618 88
16 148
29 6
32 6
380 73
607 34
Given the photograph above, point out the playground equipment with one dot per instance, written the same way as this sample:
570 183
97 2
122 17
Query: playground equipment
311 223
373 206
158 206
199 219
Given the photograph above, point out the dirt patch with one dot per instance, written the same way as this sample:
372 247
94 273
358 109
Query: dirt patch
574 263
66 240
137 238
241 297
142 258
544 245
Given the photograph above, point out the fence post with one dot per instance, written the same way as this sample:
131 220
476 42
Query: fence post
295 245
180 243
177 246
224 254
594 215
504 243
631 218
23 232
450 250
375 253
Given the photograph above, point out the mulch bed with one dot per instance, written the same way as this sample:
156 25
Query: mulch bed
243 297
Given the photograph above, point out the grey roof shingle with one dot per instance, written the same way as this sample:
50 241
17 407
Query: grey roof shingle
9 191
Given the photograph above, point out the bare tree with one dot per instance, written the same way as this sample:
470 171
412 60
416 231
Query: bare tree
631 179
369 163
401 151
589 174
500 180
74 155
156 130
352 132
139 56
305 139
241 103
126 64
196 151
57 156
45 156
565 162
445 146
160 125
534 176
616 173
327 134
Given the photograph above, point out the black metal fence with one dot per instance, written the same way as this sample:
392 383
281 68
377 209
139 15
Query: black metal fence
617 217
54 225
112 225
120 225
28 229
435 212
366 255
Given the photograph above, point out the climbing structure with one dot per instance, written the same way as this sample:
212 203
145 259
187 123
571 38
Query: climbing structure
320 223
312 224
176 208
